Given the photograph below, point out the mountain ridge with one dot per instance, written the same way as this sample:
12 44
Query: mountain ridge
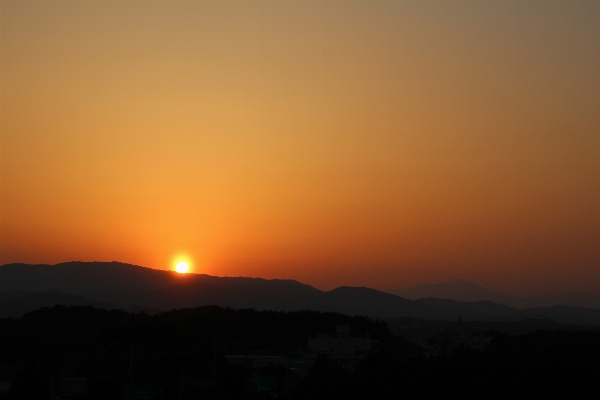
131 287
461 290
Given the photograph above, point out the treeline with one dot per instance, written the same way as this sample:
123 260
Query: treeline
542 364
181 355
180 351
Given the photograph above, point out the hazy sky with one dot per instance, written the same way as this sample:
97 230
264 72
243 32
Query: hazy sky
363 143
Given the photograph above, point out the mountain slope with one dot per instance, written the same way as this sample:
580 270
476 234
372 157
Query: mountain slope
464 291
83 277
16 306
106 285
488 311
457 289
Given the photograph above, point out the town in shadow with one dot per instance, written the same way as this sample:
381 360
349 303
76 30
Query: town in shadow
213 352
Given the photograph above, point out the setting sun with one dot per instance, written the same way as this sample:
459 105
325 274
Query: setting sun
182 267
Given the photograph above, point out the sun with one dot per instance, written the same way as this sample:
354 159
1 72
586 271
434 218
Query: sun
182 267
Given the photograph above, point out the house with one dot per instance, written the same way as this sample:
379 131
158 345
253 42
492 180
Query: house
69 385
271 374
342 345
461 336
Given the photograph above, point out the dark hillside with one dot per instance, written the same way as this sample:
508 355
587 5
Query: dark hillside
116 285
181 355
77 277
101 344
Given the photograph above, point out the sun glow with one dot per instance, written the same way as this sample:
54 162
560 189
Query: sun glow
182 267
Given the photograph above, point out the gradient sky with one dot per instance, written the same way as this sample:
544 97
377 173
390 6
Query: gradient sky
363 143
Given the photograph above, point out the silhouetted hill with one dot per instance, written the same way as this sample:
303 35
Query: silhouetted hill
461 290
131 287
16 306
488 311
371 302
84 277
457 289
180 353
183 354
125 285
420 330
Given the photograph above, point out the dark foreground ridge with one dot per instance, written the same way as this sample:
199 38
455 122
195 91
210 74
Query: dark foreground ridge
116 285
219 353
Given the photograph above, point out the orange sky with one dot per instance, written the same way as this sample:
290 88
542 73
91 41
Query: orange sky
363 143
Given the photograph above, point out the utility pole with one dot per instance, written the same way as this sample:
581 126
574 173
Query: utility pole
131 366
289 372
215 359
181 386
